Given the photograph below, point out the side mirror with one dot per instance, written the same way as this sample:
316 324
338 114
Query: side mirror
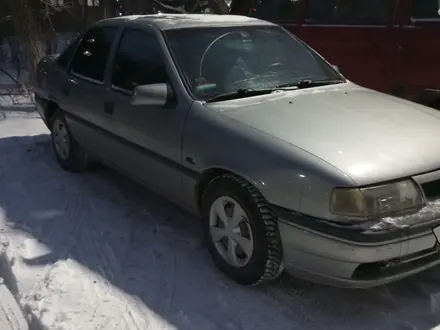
155 95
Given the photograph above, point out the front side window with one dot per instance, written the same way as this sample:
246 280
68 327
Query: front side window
138 61
275 10
92 54
426 9
226 59
348 12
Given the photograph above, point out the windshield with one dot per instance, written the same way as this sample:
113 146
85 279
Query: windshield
215 61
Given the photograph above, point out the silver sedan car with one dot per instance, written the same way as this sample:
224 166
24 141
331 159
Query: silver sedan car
291 166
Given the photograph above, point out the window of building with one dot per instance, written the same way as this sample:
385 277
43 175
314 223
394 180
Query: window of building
90 3
93 3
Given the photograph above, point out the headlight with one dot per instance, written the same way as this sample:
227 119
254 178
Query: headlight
391 199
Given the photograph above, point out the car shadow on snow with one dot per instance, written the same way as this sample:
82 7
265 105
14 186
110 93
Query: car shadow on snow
152 250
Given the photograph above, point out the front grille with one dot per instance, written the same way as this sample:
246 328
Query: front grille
431 189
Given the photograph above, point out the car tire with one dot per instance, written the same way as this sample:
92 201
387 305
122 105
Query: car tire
258 225
68 152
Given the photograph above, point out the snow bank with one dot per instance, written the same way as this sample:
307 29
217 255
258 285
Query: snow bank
23 101
12 96
11 315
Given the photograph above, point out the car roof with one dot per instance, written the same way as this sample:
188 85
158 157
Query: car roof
181 21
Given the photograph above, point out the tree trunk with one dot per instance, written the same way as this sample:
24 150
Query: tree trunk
28 32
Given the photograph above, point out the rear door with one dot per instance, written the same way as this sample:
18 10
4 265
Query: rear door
84 88
147 139
355 35
417 59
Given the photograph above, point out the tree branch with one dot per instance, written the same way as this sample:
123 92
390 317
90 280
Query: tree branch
168 7
9 75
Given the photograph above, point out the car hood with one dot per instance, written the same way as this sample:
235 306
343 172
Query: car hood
370 136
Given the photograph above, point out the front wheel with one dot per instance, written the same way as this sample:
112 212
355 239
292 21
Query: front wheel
68 152
241 231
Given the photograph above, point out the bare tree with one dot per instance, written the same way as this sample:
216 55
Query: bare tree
33 26
28 17
28 31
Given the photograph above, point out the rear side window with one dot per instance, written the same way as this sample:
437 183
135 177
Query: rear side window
349 12
275 10
67 54
138 61
91 56
426 9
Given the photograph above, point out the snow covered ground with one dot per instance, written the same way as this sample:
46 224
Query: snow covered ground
96 251
10 96
24 102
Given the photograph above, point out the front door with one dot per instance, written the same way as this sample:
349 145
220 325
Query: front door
354 35
147 138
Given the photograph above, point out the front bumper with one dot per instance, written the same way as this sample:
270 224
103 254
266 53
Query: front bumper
348 258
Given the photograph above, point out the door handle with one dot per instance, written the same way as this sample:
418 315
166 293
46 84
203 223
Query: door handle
109 108
66 88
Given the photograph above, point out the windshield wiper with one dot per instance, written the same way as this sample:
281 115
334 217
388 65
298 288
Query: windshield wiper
308 83
240 93
248 92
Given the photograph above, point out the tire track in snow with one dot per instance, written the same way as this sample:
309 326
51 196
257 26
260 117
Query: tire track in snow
31 151
59 232
91 251
321 307
96 248
299 302
130 309
97 288
103 255
133 206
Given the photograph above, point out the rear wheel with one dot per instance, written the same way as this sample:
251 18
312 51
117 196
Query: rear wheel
68 152
241 231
